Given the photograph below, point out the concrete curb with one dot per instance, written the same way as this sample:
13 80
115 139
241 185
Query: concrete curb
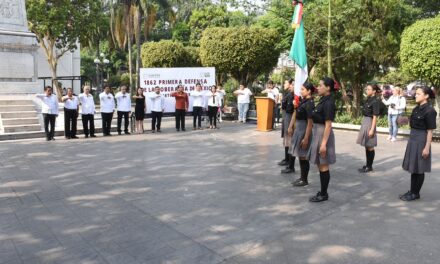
380 130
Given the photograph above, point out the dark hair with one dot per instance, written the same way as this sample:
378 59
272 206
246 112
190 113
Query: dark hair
426 90
197 84
137 91
309 86
243 83
106 86
156 87
329 82
270 82
213 87
47 87
375 87
290 80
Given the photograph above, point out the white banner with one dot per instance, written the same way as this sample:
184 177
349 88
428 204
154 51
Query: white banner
169 78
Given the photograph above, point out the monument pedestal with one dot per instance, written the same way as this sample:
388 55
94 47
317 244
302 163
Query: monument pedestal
18 50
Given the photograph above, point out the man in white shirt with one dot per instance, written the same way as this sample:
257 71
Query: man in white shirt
157 109
221 94
49 109
107 102
123 100
243 99
87 112
198 105
274 94
71 107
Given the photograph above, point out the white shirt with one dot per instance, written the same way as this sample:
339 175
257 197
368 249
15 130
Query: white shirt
399 104
71 104
244 96
49 104
221 94
213 100
273 94
157 102
87 104
198 98
124 102
107 102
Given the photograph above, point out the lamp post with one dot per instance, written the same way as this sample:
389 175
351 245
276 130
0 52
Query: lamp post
100 63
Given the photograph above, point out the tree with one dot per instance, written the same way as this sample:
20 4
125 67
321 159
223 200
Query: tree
210 16
242 52
429 8
420 52
168 53
59 25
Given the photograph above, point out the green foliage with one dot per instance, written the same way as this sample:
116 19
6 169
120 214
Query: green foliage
214 16
429 8
63 20
242 52
167 53
396 77
181 33
420 50
230 86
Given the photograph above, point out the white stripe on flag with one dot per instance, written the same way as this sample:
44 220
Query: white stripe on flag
301 76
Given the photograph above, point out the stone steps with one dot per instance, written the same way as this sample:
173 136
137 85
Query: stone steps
16 108
21 114
21 128
4 102
20 121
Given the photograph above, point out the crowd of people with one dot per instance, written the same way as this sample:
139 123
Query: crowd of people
308 135
306 128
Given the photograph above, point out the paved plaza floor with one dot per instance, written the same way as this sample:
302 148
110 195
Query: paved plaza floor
208 197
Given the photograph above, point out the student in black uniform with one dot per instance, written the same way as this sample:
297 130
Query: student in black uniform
289 121
303 130
367 134
322 149
417 158
287 86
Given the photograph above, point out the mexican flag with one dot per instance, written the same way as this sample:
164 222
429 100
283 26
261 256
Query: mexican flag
298 49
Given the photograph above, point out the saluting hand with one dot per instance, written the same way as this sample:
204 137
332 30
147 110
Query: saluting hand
323 151
425 153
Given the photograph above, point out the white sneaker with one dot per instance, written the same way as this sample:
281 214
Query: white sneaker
393 139
389 138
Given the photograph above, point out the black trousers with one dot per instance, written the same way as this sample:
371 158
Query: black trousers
49 119
180 118
197 114
212 113
106 123
156 119
70 118
86 120
126 121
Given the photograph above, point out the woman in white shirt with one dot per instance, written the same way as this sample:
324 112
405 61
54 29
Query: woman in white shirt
396 105
243 99
213 106
198 105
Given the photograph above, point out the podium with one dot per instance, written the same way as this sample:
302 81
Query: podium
264 113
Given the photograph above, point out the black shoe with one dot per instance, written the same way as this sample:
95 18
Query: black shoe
318 198
93 136
288 170
178 130
409 196
75 137
53 139
86 136
127 133
47 139
365 169
67 137
300 183
194 128
408 192
110 134
153 131
119 133
183 129
159 131
283 162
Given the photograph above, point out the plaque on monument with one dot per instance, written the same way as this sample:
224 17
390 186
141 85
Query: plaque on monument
18 50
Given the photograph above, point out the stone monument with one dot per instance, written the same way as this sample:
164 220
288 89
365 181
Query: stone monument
18 50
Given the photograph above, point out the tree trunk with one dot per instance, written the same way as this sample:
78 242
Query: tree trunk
357 98
138 47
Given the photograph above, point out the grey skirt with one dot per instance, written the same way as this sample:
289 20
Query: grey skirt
363 138
413 161
298 135
286 122
314 156
287 138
